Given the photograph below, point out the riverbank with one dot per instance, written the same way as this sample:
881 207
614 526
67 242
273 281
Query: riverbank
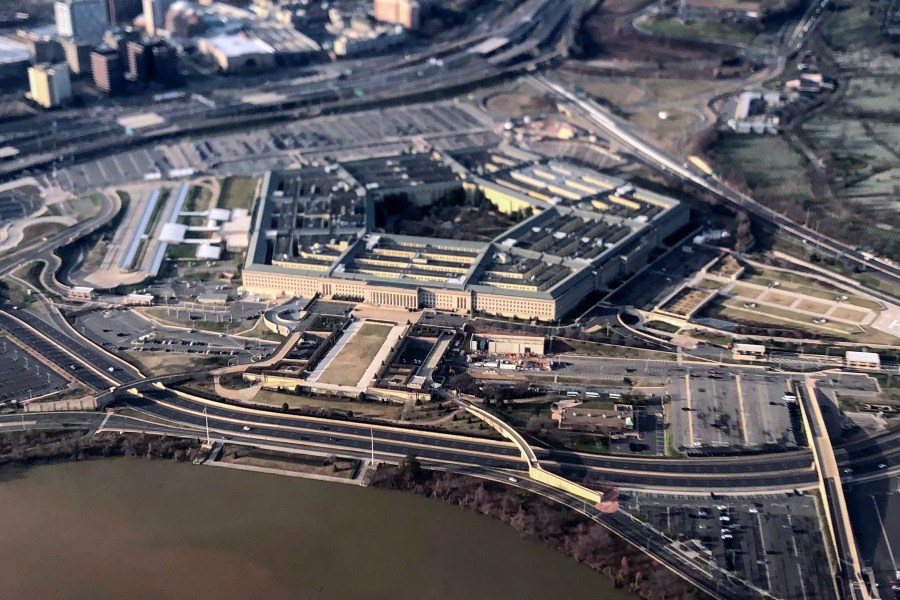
548 522
26 448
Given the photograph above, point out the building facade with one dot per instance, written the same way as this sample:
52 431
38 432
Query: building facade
123 12
155 15
50 85
407 13
108 70
78 56
82 20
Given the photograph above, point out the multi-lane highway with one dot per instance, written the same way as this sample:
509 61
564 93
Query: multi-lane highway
790 471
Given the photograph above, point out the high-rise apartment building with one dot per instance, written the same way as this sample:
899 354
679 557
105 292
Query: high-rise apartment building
78 56
108 70
50 85
123 12
155 15
82 20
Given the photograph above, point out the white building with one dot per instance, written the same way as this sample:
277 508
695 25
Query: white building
239 53
50 85
82 20
868 361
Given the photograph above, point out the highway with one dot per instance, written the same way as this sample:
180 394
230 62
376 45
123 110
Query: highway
791 470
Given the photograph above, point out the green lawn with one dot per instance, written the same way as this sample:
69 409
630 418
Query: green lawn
237 192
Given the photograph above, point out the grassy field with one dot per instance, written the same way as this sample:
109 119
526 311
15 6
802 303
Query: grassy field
237 192
851 27
710 284
199 199
778 317
668 131
354 358
39 230
729 33
770 166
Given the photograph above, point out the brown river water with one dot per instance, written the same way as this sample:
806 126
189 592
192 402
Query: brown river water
135 529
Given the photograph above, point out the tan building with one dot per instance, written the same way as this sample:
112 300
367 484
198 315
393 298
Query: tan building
49 85
599 418
402 12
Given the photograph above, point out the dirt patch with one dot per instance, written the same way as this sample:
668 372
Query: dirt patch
778 298
296 463
745 291
810 306
848 314
520 104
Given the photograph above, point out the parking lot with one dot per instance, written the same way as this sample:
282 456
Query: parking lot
774 541
22 376
125 330
875 512
445 125
719 411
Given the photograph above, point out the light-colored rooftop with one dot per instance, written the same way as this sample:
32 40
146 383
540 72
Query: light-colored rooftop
869 357
141 121
240 45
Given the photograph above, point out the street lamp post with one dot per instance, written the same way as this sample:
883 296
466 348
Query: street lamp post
206 416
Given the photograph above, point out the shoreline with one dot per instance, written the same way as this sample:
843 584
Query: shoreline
553 525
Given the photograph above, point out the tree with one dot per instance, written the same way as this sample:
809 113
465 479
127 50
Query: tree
743 234
284 407
410 467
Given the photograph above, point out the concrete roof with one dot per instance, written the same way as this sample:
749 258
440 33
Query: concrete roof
862 356
12 51
209 252
173 233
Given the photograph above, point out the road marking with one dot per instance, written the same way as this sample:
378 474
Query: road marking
762 543
105 419
687 398
743 412
887 541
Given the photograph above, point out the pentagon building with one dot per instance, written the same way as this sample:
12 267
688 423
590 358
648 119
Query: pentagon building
312 233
